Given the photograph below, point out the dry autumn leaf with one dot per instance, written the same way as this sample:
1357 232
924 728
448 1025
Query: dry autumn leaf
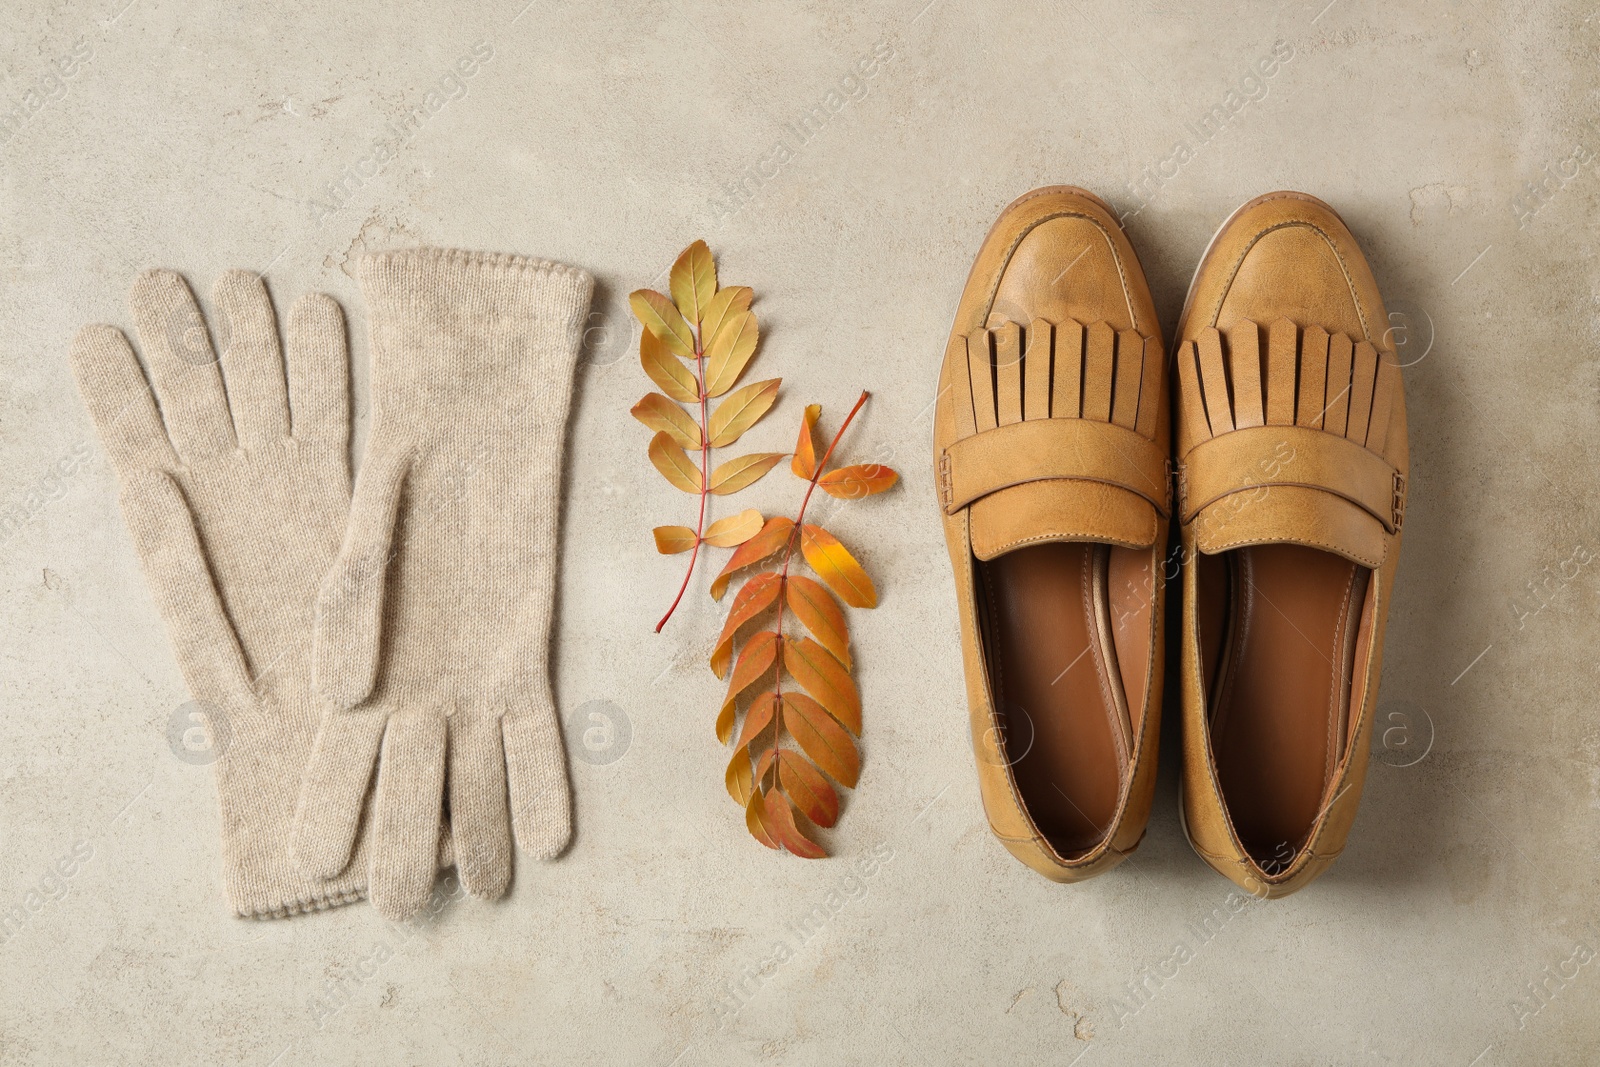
659 413
758 594
755 817
667 370
671 540
816 609
728 353
824 678
804 463
773 536
822 738
852 483
755 659
739 777
662 318
693 282
741 471
811 793
673 463
740 411
835 565
728 301
735 529
781 820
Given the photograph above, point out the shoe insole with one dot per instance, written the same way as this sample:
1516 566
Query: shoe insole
1053 670
1281 702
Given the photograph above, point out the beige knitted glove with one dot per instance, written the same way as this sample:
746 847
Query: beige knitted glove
236 502
433 626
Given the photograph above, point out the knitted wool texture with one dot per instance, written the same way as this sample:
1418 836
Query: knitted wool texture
235 490
433 625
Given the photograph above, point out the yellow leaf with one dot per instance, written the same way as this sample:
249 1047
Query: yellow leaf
852 483
673 539
773 536
729 352
674 463
666 370
661 318
740 411
835 565
694 281
815 607
728 301
735 529
804 463
659 413
741 471
755 817
739 779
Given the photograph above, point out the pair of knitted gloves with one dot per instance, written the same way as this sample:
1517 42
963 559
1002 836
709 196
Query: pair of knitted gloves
377 661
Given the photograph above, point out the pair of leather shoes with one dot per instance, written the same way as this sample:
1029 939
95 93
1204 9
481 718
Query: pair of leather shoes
1058 481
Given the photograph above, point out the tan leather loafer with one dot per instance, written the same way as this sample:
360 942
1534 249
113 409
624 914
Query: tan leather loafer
1051 441
1291 495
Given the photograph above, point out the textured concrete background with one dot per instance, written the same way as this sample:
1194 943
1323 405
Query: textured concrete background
1460 142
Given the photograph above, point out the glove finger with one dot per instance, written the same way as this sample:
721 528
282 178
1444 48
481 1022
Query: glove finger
183 367
536 780
410 795
118 398
252 364
333 791
349 619
164 536
319 371
479 819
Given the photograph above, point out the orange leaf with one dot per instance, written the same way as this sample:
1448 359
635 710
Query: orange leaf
781 821
755 659
835 565
673 539
824 678
804 463
661 318
810 791
693 281
822 738
729 301
740 411
755 819
728 353
666 370
674 463
735 529
815 607
852 483
740 782
659 413
756 596
734 475
758 717
773 536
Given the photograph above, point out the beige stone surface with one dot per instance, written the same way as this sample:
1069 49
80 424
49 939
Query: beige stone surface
1461 143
